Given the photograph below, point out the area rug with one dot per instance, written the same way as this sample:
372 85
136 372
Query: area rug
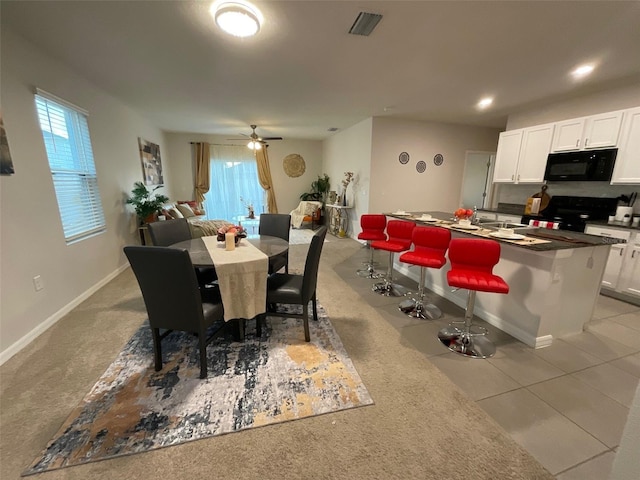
301 236
261 381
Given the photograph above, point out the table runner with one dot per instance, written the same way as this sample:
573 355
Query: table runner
242 276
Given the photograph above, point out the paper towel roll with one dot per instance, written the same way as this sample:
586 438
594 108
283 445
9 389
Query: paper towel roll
229 241
622 211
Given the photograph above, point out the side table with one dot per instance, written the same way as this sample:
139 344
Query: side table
338 220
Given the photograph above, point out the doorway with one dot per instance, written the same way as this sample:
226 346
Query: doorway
477 180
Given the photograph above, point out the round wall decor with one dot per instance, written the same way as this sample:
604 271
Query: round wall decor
421 166
403 158
293 165
438 159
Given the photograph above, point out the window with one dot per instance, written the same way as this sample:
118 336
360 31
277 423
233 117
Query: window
66 138
233 183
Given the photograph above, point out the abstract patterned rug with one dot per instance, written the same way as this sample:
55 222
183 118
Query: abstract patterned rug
133 409
301 236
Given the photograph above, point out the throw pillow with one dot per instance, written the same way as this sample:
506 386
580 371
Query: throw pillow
194 206
175 213
185 209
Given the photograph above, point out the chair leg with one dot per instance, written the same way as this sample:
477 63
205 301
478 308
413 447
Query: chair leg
314 303
157 348
416 308
259 319
387 288
465 342
305 320
202 341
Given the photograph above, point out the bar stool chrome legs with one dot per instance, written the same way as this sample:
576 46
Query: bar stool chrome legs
387 288
417 308
469 340
369 271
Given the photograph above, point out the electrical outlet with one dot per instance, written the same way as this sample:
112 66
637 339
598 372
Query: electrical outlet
38 283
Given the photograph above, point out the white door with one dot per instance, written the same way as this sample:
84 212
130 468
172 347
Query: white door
476 179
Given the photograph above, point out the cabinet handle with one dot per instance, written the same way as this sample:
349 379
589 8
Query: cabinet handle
518 177
622 250
578 143
633 254
586 142
512 177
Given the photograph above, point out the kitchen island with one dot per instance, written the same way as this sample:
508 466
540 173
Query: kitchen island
553 282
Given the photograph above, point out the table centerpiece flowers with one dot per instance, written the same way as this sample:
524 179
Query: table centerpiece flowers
239 231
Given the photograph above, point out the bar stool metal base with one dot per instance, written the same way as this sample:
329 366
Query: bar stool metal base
469 345
419 310
369 272
387 289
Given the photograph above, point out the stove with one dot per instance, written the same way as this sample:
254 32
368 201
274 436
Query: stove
572 213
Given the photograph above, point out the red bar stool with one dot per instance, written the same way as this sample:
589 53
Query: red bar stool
431 244
373 226
399 233
472 262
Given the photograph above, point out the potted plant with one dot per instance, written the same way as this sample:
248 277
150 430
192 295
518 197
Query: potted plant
146 204
319 189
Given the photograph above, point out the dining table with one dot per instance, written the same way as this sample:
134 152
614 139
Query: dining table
242 272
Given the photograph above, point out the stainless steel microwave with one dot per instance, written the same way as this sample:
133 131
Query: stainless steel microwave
584 166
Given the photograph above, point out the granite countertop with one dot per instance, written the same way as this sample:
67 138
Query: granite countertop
554 239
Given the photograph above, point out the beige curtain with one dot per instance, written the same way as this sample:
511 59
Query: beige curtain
264 176
202 171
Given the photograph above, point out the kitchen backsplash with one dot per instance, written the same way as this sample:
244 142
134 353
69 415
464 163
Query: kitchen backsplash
507 193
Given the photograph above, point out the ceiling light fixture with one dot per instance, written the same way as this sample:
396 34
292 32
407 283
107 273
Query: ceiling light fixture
238 18
254 145
485 102
582 71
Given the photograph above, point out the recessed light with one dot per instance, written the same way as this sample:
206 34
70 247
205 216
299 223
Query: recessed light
238 18
582 71
485 102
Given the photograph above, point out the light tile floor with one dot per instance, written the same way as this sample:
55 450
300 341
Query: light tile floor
567 404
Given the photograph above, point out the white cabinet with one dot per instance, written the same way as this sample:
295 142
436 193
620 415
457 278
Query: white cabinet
630 275
627 168
622 272
507 156
595 131
522 155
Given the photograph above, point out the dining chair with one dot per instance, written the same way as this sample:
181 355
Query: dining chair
276 225
173 300
169 232
292 289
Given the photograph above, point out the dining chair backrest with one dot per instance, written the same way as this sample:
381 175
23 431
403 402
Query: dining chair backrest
312 264
275 224
169 232
476 254
169 287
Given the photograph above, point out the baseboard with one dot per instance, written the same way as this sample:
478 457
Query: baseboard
9 352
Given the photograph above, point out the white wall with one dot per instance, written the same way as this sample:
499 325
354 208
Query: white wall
401 187
287 189
350 151
31 237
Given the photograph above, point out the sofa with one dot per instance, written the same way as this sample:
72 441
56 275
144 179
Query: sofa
195 215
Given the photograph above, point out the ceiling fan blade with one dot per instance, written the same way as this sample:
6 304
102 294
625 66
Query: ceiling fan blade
271 138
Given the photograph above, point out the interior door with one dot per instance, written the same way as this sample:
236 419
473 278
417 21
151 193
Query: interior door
476 180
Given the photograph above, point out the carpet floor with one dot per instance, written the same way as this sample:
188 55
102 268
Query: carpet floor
421 426
261 381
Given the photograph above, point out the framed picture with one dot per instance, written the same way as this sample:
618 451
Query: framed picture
6 164
151 162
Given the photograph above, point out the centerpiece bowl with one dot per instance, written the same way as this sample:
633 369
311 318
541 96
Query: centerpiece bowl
238 230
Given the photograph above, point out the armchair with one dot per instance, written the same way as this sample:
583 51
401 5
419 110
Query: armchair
307 211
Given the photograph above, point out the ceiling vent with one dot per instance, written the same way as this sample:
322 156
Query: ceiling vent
365 23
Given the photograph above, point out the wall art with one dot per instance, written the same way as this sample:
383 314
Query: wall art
403 158
151 162
6 164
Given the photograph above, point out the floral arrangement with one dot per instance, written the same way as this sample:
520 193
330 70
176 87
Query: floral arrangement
249 206
347 180
237 229
463 213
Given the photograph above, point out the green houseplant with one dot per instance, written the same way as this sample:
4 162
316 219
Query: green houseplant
319 189
145 202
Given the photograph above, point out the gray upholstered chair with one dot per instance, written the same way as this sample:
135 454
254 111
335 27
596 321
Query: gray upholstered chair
292 289
276 225
169 232
170 291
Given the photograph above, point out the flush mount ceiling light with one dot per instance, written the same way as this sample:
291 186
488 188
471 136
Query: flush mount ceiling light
485 103
237 18
582 71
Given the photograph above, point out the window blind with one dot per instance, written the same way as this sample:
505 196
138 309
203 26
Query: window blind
68 145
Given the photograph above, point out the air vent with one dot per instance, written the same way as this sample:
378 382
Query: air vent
365 23
333 129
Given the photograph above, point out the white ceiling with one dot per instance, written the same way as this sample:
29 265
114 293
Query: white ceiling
303 73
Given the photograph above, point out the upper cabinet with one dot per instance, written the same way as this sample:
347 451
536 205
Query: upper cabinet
522 155
627 168
596 131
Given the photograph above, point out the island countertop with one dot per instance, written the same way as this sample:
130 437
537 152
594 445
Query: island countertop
536 239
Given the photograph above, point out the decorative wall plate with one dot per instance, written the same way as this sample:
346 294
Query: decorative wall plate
293 165
421 166
403 158
438 159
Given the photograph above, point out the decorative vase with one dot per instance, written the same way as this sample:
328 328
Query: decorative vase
344 197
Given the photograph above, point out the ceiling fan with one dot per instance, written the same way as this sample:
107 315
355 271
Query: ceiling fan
256 142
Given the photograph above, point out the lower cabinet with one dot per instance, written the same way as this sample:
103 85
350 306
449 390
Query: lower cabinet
622 273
